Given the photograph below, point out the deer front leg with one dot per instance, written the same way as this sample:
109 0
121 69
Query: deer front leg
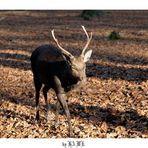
62 99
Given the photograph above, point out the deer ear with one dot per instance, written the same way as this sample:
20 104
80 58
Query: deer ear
87 55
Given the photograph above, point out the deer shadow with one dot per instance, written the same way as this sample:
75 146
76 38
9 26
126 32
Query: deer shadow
95 114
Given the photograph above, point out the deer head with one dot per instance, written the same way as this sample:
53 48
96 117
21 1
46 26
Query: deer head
77 63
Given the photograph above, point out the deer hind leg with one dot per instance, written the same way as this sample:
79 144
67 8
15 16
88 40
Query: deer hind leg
38 86
62 99
45 90
58 105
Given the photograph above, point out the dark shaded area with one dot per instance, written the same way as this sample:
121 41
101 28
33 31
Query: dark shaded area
122 59
117 72
12 114
14 56
24 101
125 26
15 61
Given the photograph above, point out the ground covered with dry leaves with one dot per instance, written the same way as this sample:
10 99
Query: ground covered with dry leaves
114 103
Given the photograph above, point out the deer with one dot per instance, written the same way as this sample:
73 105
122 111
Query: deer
56 68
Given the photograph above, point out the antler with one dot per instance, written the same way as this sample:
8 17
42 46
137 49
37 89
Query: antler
88 40
62 49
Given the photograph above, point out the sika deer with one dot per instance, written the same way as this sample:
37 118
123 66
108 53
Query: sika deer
58 69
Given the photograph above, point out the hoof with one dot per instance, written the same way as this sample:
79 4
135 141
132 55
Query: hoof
71 135
36 121
56 124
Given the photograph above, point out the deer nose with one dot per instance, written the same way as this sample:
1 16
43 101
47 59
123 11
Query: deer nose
83 79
